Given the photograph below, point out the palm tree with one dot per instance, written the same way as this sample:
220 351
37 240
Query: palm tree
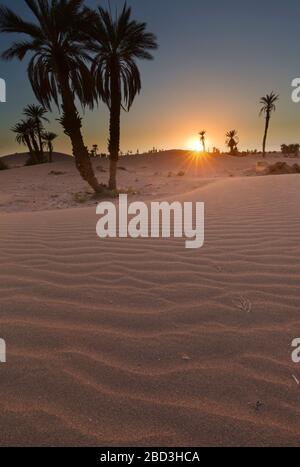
117 43
23 135
25 131
37 113
95 150
232 141
202 139
58 69
33 136
268 107
49 137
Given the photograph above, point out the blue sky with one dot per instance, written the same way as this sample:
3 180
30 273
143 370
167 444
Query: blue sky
215 60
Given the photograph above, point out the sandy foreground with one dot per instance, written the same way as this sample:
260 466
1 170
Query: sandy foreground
142 342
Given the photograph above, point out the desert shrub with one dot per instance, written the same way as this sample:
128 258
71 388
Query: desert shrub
216 151
56 173
282 168
290 149
3 166
81 198
129 191
30 161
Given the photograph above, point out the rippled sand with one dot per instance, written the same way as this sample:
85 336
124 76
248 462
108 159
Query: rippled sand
142 342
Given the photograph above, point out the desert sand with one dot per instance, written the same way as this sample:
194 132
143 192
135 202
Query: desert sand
141 342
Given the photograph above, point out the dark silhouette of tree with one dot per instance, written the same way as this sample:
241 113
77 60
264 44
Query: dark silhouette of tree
95 150
23 135
33 135
58 69
202 135
117 43
49 137
37 114
232 141
290 149
268 103
26 133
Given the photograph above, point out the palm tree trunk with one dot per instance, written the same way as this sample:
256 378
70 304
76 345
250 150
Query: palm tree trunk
72 125
114 127
40 141
50 147
35 148
266 134
29 145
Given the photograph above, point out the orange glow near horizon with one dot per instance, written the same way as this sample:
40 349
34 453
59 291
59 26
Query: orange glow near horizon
194 144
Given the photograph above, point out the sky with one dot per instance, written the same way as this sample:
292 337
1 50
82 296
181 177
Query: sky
215 60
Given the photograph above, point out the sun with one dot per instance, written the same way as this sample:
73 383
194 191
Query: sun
195 145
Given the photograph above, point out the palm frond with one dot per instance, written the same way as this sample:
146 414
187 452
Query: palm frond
55 41
120 41
268 103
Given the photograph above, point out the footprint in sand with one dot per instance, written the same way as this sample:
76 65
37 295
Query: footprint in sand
243 304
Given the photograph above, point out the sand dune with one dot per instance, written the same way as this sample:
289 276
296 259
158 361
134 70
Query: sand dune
59 186
142 342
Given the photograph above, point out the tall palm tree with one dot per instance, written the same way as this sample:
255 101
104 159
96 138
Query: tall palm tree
268 107
202 135
232 141
49 137
58 69
37 113
117 43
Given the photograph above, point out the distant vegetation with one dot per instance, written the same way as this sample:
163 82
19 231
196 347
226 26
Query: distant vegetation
31 133
232 141
48 138
291 149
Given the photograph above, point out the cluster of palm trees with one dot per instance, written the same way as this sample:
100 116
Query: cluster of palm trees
30 132
232 140
79 54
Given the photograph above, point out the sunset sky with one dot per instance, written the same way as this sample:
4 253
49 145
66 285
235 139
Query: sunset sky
215 60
